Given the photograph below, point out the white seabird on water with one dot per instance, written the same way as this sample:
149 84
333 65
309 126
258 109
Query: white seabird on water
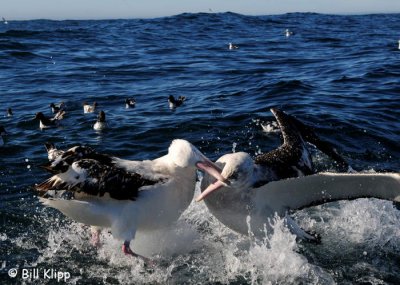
55 108
87 108
288 33
232 46
9 112
125 196
130 103
101 123
284 180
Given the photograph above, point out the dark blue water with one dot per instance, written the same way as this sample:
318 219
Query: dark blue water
340 74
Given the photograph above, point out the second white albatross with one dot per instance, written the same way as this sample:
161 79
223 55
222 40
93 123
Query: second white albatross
125 196
283 180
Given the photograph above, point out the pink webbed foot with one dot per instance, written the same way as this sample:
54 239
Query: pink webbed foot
128 251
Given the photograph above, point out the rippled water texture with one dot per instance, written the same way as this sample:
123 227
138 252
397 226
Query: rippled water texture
339 74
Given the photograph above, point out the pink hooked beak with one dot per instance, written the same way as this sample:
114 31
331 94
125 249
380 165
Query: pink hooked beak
212 169
211 188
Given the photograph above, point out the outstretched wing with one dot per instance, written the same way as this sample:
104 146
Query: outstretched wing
293 151
62 162
292 155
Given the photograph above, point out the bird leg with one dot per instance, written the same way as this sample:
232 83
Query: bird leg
128 251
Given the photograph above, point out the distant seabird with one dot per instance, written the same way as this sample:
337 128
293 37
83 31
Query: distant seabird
4 21
288 33
173 103
87 108
232 46
130 103
55 108
101 123
125 196
9 112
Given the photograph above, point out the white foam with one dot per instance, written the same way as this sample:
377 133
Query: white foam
199 249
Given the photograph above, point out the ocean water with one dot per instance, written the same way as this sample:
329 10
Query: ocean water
339 74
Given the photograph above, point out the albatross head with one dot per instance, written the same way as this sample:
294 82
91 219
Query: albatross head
184 154
238 169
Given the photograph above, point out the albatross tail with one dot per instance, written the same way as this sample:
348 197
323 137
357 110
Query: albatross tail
80 211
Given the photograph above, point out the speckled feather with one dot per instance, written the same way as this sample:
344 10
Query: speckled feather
92 177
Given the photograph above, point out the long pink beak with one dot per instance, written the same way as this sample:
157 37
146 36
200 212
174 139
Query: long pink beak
212 169
211 188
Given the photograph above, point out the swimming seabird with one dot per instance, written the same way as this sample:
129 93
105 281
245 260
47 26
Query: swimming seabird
288 33
2 134
87 108
101 123
130 103
46 123
125 196
248 178
173 103
55 108
9 112
232 46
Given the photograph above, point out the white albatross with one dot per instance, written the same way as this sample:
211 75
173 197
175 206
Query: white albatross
283 181
125 196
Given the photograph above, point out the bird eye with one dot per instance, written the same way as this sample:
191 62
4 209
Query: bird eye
234 175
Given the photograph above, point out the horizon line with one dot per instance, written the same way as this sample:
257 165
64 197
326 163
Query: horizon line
174 15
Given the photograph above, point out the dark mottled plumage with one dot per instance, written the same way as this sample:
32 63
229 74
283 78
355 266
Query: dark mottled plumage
292 158
292 153
98 179
55 108
74 154
173 103
130 103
